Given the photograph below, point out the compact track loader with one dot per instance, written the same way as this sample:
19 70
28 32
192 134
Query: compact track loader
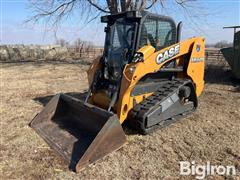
145 76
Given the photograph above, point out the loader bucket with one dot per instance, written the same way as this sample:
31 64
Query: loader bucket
80 132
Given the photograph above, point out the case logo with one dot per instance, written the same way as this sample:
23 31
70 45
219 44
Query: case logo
162 57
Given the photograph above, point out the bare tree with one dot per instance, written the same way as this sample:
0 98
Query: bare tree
62 42
81 46
78 44
222 44
53 12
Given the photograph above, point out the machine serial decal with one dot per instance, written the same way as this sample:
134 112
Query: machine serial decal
196 60
168 54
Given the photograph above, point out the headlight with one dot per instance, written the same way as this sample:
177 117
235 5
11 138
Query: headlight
138 57
131 70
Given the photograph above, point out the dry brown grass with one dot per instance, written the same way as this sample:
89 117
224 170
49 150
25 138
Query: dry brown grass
210 134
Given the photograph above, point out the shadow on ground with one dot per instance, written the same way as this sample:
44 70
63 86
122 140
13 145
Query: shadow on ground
219 75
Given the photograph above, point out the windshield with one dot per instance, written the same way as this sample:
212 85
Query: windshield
119 48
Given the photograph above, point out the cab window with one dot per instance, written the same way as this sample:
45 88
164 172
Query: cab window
158 33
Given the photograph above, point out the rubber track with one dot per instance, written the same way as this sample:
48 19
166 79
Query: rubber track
138 114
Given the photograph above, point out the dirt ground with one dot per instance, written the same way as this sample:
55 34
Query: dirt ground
210 134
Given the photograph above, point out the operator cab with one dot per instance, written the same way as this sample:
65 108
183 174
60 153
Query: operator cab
126 33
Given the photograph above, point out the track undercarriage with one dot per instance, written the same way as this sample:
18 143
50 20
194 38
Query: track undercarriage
174 100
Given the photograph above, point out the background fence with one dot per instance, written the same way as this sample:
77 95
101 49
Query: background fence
214 57
21 53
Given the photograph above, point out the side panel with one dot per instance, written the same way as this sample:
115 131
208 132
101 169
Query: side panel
152 64
236 68
196 65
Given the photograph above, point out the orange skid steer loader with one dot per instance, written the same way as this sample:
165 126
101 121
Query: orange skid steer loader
145 76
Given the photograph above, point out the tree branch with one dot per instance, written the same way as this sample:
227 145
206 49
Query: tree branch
98 7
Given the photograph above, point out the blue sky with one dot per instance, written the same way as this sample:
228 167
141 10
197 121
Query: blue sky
210 17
